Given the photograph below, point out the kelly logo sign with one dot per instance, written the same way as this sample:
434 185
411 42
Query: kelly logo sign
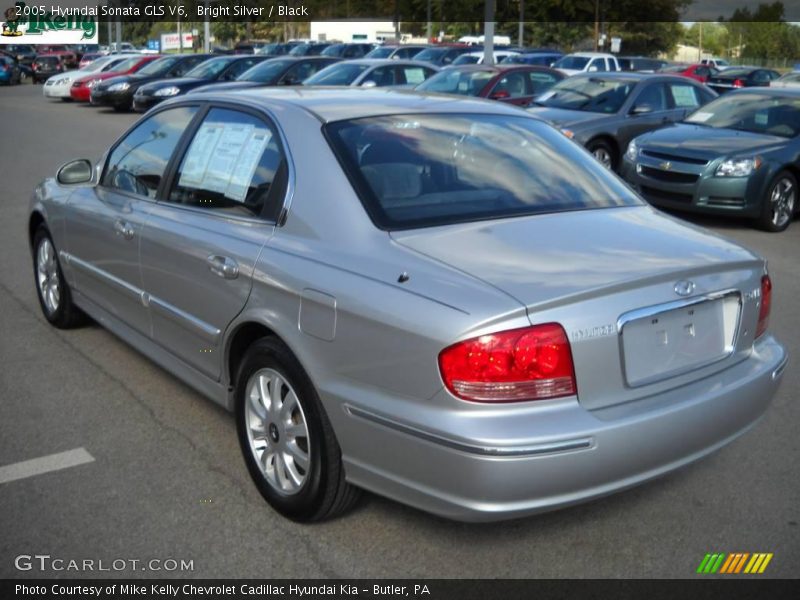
36 25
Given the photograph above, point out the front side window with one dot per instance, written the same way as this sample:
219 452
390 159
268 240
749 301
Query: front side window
754 112
654 96
453 81
235 165
511 86
436 169
138 162
684 96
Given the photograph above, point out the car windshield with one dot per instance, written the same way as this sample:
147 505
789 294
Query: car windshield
753 112
571 62
455 81
335 50
266 72
380 52
159 66
126 65
341 74
100 64
466 59
591 94
437 169
209 69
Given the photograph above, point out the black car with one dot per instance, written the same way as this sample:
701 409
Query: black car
118 92
605 111
45 66
23 53
348 50
276 49
289 70
222 68
310 49
442 56
740 77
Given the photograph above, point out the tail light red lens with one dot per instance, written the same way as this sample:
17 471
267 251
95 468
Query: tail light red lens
738 83
532 363
766 306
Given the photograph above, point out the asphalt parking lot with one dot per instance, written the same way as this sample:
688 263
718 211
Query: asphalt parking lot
161 476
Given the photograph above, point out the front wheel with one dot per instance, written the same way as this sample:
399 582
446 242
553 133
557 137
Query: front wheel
286 439
604 154
779 203
54 294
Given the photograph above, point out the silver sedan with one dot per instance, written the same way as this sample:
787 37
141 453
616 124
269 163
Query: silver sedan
440 300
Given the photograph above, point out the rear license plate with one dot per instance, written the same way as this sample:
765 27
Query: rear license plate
666 343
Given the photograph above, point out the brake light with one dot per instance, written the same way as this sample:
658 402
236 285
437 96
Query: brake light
532 363
738 83
766 306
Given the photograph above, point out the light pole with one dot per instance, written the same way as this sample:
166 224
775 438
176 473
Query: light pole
488 33
521 23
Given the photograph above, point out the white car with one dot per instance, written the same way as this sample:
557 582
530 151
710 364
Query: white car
587 62
58 86
718 63
476 58
789 80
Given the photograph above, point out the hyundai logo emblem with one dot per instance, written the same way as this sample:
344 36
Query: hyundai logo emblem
684 288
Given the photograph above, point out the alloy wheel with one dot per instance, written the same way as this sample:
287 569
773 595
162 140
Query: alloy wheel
47 276
604 156
782 202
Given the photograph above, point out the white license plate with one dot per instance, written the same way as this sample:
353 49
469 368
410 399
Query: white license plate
670 342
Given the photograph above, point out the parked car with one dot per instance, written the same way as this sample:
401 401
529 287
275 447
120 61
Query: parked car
373 72
542 59
513 84
442 55
356 50
309 48
441 300
24 54
289 70
45 66
248 47
788 80
404 51
59 85
605 111
717 63
736 156
222 68
68 57
276 49
88 58
697 72
587 62
118 92
741 77
641 64
10 73
82 86
476 58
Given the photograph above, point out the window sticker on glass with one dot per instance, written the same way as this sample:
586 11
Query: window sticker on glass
684 96
196 163
414 76
223 159
700 117
246 164
761 118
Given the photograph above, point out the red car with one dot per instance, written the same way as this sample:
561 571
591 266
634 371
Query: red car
697 72
68 57
511 83
81 88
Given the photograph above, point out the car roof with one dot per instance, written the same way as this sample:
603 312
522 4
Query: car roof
767 91
329 104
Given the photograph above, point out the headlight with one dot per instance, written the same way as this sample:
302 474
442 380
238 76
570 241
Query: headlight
119 87
64 80
633 151
168 91
738 167
93 83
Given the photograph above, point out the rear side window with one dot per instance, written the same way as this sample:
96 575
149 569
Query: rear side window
138 162
684 96
435 169
234 164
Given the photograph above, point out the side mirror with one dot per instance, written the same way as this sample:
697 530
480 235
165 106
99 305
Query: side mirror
77 171
499 95
642 109
369 84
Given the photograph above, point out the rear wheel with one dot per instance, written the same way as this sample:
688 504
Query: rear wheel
604 153
54 294
286 439
780 203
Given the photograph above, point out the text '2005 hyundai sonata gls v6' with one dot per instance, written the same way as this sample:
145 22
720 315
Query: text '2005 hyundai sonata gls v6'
443 301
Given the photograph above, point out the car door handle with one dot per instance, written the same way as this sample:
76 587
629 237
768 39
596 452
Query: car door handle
124 229
223 266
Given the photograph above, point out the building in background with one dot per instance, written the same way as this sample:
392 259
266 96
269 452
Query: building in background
352 31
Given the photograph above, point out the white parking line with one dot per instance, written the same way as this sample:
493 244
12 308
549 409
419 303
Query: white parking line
45 464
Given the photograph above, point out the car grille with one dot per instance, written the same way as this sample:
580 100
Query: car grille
656 195
669 176
674 158
718 201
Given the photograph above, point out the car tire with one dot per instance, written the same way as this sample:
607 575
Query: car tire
288 443
55 297
603 153
780 203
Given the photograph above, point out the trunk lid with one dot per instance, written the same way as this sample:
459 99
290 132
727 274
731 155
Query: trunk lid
604 275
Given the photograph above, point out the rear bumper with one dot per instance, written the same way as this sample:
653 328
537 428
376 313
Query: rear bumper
570 454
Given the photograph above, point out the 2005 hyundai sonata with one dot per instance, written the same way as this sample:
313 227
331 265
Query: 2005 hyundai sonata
444 301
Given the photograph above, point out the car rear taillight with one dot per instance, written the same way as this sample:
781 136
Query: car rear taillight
766 306
532 363
738 83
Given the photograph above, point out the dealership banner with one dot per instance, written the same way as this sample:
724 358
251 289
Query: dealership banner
61 22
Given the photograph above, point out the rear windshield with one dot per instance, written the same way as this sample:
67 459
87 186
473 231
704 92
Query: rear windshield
341 74
436 169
